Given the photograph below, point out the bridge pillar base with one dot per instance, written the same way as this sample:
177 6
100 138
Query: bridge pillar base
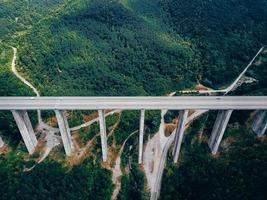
64 131
259 125
218 129
103 134
25 127
183 114
141 136
1 142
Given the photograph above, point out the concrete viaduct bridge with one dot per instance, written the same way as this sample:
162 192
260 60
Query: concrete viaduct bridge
224 104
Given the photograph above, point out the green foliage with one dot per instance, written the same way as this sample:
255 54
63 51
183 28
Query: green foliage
259 72
76 117
226 33
112 119
86 135
152 121
129 122
10 84
238 173
132 181
102 48
8 129
50 180
134 47
133 185
16 16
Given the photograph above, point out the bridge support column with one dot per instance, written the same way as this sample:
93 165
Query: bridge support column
218 130
103 134
141 136
259 125
1 142
64 131
183 114
25 127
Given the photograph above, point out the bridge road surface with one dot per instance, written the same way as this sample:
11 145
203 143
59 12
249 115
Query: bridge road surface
135 103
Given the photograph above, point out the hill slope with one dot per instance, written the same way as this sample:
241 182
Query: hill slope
105 48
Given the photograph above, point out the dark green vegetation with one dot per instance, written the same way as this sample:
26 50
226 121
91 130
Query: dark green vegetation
88 133
259 72
10 85
227 33
18 16
130 122
133 185
133 179
50 180
134 47
237 173
104 48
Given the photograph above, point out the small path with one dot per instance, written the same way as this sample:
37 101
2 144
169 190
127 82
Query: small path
230 87
51 141
82 152
49 131
93 120
157 148
15 72
116 171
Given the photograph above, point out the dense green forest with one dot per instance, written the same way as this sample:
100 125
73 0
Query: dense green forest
51 180
103 48
134 47
226 33
236 173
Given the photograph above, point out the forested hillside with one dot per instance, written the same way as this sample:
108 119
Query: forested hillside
105 48
237 172
226 32
50 180
18 16
133 47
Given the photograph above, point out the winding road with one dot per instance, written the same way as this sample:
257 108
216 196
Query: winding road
15 72
93 120
116 171
50 137
164 142
155 189
230 87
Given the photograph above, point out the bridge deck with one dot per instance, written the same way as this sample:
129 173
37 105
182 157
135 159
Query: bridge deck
134 103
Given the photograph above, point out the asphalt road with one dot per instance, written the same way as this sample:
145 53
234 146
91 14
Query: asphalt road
157 185
134 103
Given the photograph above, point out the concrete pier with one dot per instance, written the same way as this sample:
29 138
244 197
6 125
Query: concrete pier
1 142
25 127
141 136
259 125
183 114
218 130
103 134
64 131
